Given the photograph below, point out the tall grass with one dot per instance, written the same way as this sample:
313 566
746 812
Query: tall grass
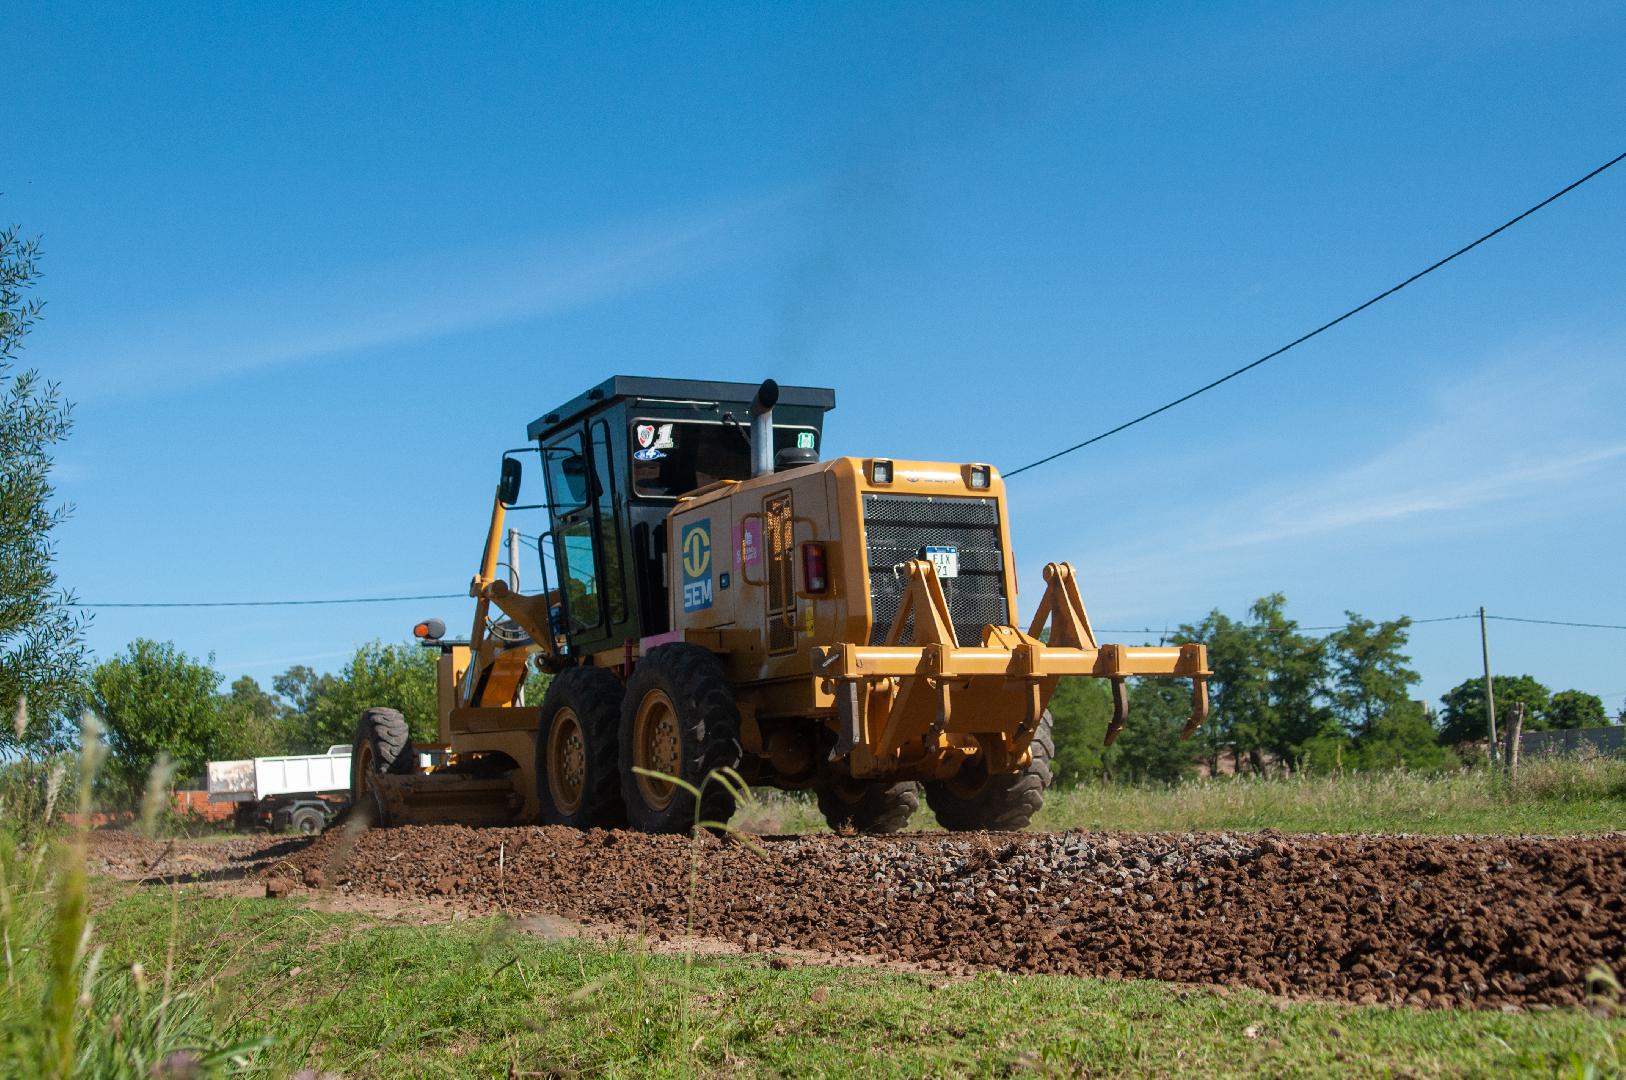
1584 794
65 1014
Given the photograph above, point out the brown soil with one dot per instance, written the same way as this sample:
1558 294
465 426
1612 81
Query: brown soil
1476 922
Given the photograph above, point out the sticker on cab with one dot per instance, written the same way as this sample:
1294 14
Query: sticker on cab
696 554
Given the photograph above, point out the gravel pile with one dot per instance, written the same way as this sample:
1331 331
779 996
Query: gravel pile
1468 922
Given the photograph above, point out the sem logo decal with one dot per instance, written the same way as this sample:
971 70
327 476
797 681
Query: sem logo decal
696 551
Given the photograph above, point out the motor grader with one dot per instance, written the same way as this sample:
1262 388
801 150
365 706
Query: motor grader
720 598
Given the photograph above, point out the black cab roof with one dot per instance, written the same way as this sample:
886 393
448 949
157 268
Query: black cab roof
697 392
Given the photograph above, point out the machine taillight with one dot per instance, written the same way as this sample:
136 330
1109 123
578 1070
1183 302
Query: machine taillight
815 575
429 630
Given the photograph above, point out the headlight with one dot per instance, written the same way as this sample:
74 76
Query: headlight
880 471
980 475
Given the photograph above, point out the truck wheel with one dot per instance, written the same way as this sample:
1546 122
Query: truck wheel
577 782
383 745
678 719
307 820
975 800
867 806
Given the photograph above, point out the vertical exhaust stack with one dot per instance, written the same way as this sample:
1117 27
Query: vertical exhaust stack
762 427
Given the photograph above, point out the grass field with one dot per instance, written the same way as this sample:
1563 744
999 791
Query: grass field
170 982
1551 797
266 988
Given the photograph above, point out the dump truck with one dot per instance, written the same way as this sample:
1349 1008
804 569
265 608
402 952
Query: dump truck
303 792
718 605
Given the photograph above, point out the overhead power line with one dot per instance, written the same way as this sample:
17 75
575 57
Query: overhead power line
1295 629
279 603
1559 622
464 596
1385 294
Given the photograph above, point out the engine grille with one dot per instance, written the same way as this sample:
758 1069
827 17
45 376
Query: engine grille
897 527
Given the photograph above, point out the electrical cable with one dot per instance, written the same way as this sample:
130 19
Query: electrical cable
1385 294
1558 622
1293 629
278 603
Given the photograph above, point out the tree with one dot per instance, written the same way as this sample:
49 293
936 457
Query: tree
1079 711
1268 684
1575 709
154 699
1463 718
301 688
1371 678
41 638
253 723
1401 737
1149 747
396 676
1238 690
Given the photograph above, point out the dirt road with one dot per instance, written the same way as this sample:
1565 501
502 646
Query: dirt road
1476 922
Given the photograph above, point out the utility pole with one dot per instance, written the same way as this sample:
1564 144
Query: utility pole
1490 692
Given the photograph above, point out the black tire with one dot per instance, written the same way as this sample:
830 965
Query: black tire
586 793
975 800
383 744
679 710
307 820
867 806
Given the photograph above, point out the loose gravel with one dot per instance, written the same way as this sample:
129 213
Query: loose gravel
1428 921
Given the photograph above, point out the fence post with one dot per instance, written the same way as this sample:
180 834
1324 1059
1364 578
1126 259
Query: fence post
1514 728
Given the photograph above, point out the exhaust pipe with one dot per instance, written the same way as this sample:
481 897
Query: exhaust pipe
762 427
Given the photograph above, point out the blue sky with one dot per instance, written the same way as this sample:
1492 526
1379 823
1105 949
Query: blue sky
309 270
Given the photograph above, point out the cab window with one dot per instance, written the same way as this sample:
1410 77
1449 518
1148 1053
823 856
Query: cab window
674 457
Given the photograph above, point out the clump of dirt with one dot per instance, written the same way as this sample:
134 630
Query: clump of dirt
1431 921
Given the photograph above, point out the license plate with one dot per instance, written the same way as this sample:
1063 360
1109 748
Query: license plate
945 560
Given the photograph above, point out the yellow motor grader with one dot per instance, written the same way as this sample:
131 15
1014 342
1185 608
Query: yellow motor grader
721 597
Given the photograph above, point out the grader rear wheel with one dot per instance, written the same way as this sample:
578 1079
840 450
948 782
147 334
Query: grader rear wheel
576 779
678 720
975 800
867 806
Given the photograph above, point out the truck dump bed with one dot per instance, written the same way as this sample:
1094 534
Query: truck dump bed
253 779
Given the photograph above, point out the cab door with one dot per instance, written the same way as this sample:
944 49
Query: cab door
587 535
576 544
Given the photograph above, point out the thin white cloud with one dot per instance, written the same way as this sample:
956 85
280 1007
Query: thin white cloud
1536 433
1515 431
341 312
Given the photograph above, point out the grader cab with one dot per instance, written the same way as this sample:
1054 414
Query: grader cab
715 597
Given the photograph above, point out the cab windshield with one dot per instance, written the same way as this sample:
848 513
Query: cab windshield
674 457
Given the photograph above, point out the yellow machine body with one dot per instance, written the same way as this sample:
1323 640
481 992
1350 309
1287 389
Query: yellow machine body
855 650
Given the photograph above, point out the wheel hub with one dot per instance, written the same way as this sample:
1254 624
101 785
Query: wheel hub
567 761
658 747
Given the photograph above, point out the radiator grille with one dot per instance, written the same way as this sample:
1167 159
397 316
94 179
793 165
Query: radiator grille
897 527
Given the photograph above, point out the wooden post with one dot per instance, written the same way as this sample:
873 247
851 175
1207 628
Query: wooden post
1515 727
1490 690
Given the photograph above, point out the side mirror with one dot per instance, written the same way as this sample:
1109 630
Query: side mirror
508 486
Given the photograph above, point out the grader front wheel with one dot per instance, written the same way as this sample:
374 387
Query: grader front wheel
1000 803
678 720
383 744
576 778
